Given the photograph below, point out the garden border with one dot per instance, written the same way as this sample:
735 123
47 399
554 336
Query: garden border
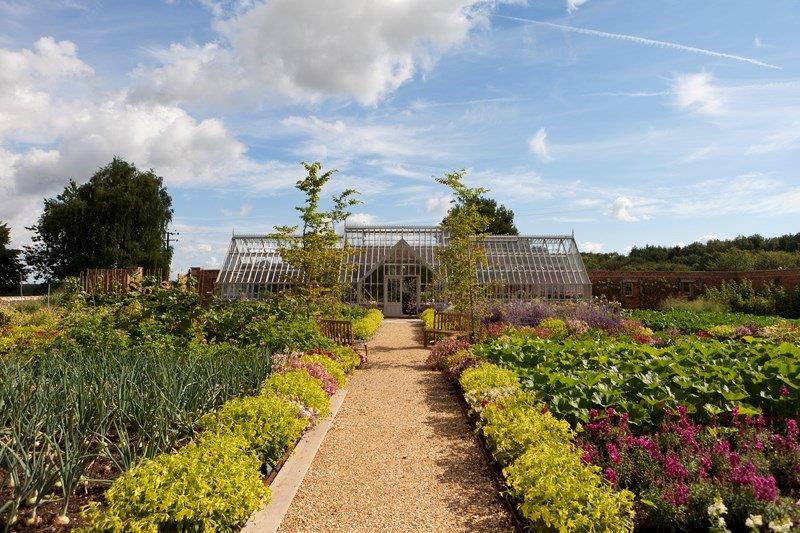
520 524
291 473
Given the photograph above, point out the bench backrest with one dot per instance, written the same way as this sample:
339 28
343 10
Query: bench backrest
339 331
449 321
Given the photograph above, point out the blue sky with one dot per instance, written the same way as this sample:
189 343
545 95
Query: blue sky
628 122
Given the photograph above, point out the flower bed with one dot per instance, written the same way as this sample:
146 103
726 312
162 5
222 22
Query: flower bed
97 386
543 468
692 432
217 483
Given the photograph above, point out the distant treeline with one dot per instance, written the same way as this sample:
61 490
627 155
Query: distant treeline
740 254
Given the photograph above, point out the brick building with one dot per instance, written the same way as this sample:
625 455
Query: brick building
639 290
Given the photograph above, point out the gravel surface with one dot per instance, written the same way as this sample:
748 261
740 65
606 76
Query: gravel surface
400 455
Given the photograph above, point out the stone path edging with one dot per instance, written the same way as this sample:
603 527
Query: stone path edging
290 476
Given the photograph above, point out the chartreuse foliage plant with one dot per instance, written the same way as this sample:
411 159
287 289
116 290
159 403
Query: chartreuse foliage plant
486 382
299 386
515 423
346 357
427 318
365 327
331 366
557 490
267 423
543 468
210 487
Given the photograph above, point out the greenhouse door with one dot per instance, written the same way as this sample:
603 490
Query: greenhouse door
401 295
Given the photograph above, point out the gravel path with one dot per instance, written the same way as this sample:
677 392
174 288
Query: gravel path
400 455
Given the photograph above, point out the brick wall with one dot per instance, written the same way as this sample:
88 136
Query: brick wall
646 289
206 281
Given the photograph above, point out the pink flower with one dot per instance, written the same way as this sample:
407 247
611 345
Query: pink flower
610 475
613 453
673 467
784 392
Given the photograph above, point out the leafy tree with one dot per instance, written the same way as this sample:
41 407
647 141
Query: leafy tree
466 228
501 219
742 253
118 219
11 269
312 248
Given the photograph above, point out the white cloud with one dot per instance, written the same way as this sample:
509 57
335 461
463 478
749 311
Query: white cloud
347 140
538 146
698 93
573 5
703 239
243 211
621 210
592 247
748 194
55 125
361 219
308 50
782 140
438 205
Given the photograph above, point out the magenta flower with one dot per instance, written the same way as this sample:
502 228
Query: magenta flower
610 475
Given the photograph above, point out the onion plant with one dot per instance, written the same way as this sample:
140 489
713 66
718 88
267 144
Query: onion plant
65 408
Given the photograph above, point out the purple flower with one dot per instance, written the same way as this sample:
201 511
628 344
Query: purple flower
784 392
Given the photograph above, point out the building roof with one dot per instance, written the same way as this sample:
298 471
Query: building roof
512 259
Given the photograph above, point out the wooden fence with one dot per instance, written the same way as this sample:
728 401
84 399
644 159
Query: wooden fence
108 280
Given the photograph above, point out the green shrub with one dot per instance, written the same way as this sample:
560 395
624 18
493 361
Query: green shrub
486 376
276 325
298 385
347 358
514 424
268 424
722 331
556 327
214 486
487 382
364 328
330 365
427 318
560 492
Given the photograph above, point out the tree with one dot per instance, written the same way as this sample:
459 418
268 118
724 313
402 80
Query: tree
118 219
312 248
501 219
463 252
11 269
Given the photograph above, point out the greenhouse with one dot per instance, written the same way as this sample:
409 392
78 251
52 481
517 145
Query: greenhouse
392 267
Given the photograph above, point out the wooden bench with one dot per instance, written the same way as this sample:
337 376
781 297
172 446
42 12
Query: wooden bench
447 324
341 332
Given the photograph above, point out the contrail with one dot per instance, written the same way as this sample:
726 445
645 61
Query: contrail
642 40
